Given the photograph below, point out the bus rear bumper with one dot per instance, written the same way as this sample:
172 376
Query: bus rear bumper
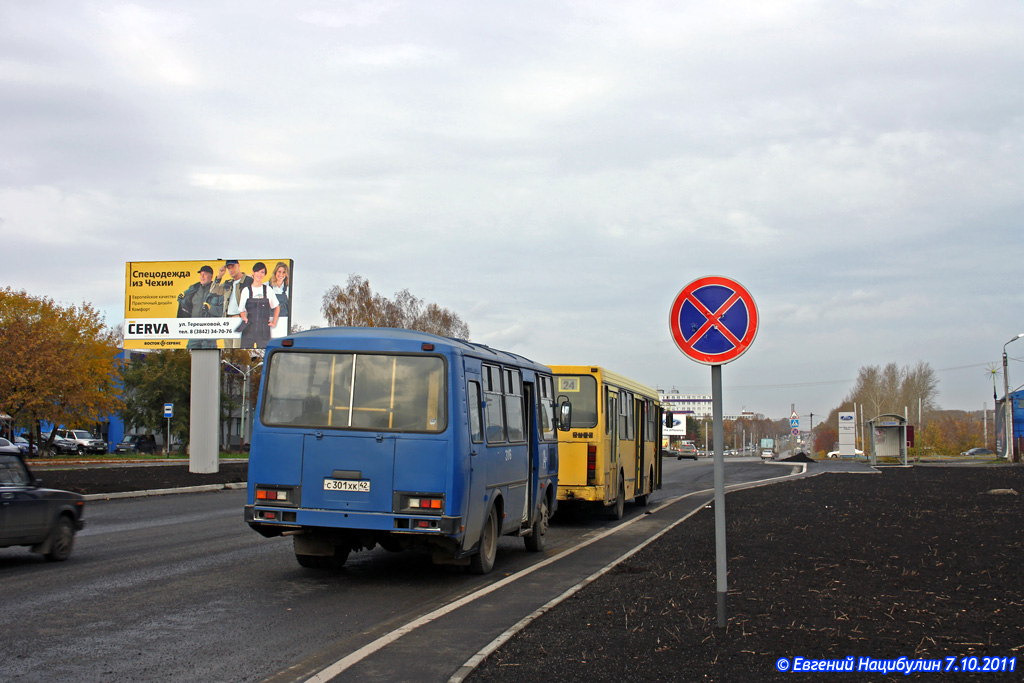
275 521
583 493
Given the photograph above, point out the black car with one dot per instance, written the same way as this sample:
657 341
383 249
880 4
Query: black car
136 443
43 519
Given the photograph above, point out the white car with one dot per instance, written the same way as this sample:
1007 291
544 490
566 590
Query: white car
835 454
767 454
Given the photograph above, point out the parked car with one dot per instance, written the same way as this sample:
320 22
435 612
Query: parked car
24 446
59 446
136 443
84 441
978 451
835 454
8 447
43 519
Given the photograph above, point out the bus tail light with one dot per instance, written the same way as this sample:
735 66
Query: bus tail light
421 503
273 495
591 463
426 503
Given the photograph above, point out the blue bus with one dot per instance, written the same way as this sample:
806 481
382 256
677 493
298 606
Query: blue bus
407 440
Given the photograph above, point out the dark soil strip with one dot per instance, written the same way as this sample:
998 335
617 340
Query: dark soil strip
922 563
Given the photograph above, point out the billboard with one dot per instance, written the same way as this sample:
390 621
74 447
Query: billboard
847 434
678 426
207 304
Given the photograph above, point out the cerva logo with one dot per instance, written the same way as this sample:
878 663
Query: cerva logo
148 328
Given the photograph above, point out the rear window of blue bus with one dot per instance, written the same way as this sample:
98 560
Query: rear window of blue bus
381 392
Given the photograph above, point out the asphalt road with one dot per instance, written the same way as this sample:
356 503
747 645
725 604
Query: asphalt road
178 587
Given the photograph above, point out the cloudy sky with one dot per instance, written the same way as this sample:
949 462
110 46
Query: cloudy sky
554 172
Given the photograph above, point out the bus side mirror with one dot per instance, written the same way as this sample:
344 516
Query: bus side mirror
670 419
564 414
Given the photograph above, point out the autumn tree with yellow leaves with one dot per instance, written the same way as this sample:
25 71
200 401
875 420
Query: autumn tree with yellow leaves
58 363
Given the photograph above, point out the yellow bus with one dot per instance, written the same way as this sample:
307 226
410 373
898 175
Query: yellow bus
610 453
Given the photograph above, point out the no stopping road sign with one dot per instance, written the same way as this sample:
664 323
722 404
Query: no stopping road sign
713 320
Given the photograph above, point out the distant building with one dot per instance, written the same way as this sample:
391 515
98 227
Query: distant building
697 405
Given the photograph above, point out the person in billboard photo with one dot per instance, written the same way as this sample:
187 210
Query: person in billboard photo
200 301
259 308
279 283
231 289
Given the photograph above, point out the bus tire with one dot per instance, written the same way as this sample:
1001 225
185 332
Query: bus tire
483 560
537 539
618 509
335 561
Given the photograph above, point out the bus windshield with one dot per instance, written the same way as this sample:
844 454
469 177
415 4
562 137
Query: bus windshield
581 390
356 391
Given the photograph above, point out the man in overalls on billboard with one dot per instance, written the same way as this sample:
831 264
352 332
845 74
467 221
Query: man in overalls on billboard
201 301
231 290
259 308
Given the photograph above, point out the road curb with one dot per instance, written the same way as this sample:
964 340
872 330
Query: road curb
164 492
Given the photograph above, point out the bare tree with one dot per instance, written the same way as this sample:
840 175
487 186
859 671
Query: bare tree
893 389
357 305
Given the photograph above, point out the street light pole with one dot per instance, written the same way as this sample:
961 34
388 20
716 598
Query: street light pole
1007 406
245 393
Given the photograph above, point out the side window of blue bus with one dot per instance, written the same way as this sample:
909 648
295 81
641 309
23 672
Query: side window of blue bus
546 408
476 431
494 409
514 405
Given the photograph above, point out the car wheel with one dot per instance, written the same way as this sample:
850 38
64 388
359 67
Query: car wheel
62 540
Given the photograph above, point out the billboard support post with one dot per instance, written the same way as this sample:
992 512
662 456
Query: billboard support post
204 412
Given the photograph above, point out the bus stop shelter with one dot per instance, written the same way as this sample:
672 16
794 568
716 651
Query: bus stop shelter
888 439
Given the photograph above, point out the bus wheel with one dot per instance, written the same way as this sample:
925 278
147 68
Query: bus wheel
483 561
536 541
619 509
335 561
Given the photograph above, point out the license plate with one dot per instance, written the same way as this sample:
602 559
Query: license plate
358 485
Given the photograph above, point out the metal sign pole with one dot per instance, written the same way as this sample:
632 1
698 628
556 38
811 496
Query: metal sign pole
713 320
720 556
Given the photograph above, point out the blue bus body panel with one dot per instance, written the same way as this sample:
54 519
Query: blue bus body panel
277 459
422 465
363 453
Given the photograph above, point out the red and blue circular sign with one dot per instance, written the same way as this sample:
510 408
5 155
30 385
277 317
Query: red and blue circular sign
713 320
